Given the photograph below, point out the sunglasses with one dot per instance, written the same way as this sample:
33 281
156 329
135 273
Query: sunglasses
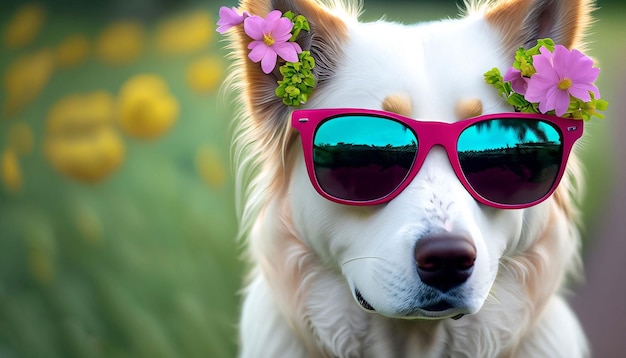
367 157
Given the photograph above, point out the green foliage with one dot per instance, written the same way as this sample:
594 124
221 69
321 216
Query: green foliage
494 78
299 23
298 80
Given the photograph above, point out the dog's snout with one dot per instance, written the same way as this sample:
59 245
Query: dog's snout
444 261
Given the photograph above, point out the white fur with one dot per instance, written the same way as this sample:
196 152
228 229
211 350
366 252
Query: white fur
310 254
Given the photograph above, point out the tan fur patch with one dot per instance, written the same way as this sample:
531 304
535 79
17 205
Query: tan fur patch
398 103
508 16
468 108
522 21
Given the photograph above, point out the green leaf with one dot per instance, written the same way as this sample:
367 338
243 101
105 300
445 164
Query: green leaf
290 15
547 42
518 101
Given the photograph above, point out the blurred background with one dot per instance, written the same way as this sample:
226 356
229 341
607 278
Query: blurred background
117 223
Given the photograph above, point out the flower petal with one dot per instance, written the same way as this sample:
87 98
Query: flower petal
282 28
543 63
270 21
268 63
288 51
537 89
511 74
228 18
253 26
560 61
581 91
562 101
549 102
518 82
259 51
274 16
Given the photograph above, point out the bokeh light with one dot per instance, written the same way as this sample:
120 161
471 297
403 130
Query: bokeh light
121 42
72 51
24 26
11 171
146 107
80 139
25 78
185 34
205 74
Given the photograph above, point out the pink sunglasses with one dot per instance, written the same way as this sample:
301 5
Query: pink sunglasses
367 157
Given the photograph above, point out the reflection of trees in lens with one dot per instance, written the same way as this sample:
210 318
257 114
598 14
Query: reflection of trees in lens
520 127
349 155
530 162
513 175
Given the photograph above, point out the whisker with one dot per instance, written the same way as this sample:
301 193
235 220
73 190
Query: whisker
362 258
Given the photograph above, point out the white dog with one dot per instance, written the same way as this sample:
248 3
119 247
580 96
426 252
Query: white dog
333 280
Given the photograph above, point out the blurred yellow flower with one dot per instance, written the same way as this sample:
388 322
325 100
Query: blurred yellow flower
72 51
80 140
11 172
205 74
24 26
185 34
25 78
21 138
210 166
121 42
146 108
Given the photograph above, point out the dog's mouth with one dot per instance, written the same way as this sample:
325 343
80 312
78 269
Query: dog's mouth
440 306
440 309
362 301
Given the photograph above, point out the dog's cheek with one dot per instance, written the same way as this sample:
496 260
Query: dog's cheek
312 215
501 229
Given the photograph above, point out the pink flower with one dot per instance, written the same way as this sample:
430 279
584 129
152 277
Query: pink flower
560 74
229 18
271 39
518 82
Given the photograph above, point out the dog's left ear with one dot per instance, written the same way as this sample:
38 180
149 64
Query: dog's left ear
523 22
325 39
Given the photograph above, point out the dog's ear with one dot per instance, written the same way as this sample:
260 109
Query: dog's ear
522 22
324 40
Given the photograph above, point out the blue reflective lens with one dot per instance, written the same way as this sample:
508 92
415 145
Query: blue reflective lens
362 157
511 161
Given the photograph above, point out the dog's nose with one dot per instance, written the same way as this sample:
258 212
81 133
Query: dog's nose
444 261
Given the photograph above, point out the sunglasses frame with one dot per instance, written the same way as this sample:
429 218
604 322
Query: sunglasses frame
428 134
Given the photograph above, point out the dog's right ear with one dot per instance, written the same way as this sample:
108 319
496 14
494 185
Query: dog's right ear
522 22
328 34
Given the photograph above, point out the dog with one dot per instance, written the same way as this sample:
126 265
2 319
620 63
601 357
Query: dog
335 280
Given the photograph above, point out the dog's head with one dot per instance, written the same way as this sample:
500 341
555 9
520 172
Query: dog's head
430 71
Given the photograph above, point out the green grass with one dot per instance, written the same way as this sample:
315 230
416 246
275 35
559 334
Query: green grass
155 273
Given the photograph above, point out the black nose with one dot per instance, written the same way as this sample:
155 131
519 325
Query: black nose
444 261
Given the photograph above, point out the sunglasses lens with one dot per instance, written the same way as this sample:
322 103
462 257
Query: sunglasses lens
361 157
511 161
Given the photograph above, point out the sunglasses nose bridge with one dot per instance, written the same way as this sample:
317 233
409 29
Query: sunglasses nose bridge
439 135
435 146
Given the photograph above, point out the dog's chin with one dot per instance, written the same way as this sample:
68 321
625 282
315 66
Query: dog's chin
434 310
